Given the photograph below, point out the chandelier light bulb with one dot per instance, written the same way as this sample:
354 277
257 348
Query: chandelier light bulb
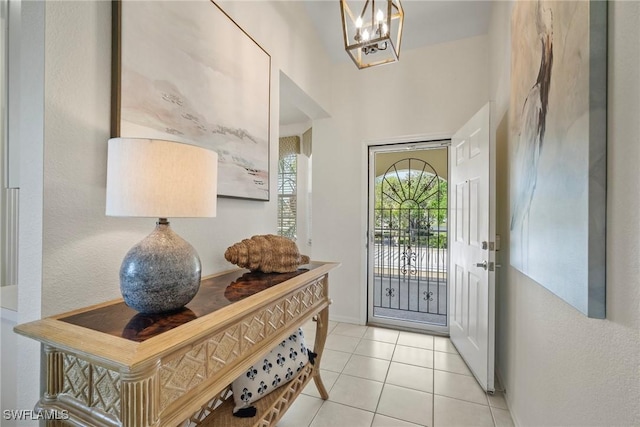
379 15
385 29
359 22
365 35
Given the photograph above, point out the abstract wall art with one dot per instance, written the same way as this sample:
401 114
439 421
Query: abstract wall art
558 148
184 71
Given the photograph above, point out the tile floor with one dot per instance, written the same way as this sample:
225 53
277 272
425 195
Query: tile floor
380 377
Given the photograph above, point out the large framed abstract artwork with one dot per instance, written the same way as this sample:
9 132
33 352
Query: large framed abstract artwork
185 71
558 148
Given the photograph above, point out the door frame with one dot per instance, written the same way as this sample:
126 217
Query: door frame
393 145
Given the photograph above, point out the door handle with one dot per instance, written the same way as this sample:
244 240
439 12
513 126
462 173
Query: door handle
482 264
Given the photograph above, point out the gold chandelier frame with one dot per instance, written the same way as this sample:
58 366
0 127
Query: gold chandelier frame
380 47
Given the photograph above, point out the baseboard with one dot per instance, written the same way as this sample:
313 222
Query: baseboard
345 319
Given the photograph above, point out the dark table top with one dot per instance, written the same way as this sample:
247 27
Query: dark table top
214 293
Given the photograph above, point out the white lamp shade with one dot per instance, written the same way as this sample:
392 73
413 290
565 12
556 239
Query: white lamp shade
162 179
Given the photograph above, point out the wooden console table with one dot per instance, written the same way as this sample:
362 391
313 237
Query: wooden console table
107 365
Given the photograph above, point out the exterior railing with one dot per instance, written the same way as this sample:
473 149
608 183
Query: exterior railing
410 283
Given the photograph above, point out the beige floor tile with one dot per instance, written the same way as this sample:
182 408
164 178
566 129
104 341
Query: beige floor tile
377 349
331 325
310 340
413 356
333 415
356 392
381 334
410 376
448 412
421 381
497 400
384 421
328 379
413 339
444 344
406 404
341 343
502 417
459 386
302 412
334 360
450 362
309 328
367 367
349 330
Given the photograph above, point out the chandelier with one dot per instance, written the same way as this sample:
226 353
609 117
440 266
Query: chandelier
373 35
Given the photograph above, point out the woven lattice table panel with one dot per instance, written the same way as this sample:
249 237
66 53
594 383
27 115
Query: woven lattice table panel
269 409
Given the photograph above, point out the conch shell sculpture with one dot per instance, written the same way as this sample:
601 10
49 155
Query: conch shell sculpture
267 253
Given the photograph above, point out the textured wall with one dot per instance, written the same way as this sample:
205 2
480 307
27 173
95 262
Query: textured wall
31 136
63 226
559 367
8 374
433 90
83 248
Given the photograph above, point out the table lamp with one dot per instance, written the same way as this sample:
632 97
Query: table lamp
161 179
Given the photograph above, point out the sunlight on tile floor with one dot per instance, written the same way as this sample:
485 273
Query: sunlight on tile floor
380 377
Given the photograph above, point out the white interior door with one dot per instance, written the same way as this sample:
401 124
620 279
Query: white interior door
472 265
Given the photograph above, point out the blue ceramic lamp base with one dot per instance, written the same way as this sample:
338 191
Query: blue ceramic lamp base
161 273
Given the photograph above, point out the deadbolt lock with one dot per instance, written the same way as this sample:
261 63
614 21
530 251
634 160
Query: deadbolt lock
488 245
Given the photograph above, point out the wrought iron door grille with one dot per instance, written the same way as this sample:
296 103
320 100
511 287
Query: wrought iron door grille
410 243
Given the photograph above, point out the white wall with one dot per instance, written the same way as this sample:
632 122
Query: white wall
79 248
559 367
80 241
31 181
433 90
8 364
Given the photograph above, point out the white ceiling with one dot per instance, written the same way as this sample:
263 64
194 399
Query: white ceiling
426 22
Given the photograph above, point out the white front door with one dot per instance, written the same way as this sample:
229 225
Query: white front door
472 227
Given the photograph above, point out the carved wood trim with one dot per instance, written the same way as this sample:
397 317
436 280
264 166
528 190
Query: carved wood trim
105 380
246 339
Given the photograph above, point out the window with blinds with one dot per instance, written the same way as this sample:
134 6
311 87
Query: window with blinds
288 186
287 196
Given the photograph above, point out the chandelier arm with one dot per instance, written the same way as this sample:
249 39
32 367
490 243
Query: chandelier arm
364 9
373 11
389 14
